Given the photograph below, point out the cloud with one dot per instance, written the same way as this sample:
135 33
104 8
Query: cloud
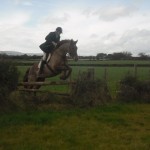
18 39
106 29
23 2
93 35
14 19
136 41
87 12
27 3
116 12
16 36
56 19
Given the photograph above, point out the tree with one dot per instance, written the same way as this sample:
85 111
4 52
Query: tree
101 56
121 56
143 56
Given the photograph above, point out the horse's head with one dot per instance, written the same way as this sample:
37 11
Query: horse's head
73 50
68 46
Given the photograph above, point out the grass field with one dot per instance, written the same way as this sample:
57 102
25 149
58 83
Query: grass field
113 127
108 127
113 74
96 61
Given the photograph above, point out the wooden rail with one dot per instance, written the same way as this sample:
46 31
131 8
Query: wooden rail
44 91
46 83
52 83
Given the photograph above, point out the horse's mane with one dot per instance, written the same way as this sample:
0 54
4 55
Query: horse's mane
61 43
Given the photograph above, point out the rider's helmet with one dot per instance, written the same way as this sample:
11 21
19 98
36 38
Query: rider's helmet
59 29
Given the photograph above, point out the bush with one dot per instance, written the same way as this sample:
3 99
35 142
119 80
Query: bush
41 101
90 93
8 80
133 90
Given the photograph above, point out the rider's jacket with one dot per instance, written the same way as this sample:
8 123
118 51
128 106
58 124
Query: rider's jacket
48 45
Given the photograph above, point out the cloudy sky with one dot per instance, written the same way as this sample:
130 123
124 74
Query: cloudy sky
101 26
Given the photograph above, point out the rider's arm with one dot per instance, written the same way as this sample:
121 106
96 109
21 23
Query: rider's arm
49 37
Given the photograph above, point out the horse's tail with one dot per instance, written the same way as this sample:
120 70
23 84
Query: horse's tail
25 78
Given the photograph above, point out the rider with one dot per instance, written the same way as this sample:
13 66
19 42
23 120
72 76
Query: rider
48 46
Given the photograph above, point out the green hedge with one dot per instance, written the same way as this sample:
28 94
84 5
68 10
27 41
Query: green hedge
132 89
8 80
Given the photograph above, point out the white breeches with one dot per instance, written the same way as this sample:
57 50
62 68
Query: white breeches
45 57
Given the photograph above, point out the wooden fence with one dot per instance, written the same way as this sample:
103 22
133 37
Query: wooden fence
52 83
88 75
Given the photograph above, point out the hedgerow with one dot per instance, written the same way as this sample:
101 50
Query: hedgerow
8 81
131 89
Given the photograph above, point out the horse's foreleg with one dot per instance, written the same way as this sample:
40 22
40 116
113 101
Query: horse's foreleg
66 71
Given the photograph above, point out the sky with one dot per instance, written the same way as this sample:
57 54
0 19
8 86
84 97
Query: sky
100 26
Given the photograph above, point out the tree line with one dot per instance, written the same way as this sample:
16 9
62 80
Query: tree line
122 56
21 57
99 56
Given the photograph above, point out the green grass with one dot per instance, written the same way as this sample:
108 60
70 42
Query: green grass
110 62
95 61
113 127
114 74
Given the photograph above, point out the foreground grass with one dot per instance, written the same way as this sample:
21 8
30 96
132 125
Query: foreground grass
116 127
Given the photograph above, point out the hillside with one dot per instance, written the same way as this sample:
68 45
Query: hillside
16 53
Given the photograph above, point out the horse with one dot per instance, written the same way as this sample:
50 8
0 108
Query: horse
57 64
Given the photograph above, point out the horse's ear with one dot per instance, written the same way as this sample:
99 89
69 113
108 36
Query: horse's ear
71 41
75 42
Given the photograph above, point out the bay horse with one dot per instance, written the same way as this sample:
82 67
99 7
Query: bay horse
57 64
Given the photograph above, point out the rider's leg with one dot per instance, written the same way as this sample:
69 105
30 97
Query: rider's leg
42 62
44 58
49 56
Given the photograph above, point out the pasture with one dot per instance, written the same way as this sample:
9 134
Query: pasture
118 126
111 74
144 62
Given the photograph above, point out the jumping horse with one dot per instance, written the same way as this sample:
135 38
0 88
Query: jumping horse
58 64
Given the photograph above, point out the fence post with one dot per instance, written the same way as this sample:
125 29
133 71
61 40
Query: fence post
91 73
135 70
105 73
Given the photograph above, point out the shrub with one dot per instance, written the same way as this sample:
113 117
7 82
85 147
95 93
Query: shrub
9 75
90 92
8 80
133 90
30 102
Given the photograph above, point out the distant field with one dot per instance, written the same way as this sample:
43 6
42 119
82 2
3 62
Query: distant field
92 62
115 127
113 74
109 62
